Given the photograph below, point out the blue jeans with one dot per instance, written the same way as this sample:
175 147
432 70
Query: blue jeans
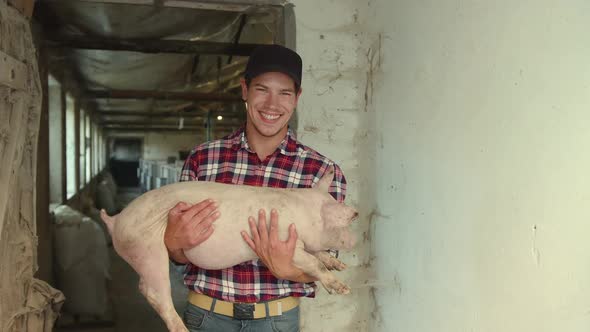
197 319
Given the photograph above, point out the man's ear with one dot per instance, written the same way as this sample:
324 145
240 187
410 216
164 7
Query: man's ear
298 95
244 89
326 180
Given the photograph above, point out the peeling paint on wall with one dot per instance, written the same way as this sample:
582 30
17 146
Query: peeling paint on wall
330 112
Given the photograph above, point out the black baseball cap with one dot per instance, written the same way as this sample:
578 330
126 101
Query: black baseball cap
268 58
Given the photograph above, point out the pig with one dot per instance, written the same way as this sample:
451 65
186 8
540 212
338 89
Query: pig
321 223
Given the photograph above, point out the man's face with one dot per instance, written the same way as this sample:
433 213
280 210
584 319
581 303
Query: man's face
271 100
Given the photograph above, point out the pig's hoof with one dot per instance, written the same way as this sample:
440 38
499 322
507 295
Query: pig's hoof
338 287
344 290
340 266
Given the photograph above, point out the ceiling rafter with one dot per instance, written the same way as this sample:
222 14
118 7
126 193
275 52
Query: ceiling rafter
224 5
163 95
142 45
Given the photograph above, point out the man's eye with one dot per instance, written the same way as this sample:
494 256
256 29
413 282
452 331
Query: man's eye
260 89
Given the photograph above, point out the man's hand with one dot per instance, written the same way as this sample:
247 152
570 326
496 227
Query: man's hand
277 255
188 226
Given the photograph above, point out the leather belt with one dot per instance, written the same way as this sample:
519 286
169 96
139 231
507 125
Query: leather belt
244 310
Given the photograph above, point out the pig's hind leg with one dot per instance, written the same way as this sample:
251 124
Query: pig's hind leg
309 264
153 269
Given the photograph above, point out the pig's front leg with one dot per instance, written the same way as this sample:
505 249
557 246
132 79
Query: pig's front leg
309 264
329 261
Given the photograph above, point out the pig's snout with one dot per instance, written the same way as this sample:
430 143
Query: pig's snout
338 215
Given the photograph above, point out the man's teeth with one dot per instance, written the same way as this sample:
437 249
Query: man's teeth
270 117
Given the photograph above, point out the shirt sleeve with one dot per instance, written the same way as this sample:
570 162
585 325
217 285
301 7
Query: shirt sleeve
338 191
189 169
338 186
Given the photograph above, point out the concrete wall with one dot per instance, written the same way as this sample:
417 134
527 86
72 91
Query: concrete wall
480 111
163 145
330 118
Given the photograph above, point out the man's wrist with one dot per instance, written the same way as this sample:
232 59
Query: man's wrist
178 256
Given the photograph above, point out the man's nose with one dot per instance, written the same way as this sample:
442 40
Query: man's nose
272 101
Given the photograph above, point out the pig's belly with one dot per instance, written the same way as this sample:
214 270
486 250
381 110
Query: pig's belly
220 252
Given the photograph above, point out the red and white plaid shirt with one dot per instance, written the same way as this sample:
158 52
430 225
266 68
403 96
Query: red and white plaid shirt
230 160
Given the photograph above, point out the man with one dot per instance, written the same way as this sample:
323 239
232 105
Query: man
260 295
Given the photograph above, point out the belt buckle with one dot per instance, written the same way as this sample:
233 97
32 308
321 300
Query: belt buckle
243 311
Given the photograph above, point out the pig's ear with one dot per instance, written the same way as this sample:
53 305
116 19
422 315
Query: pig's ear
326 180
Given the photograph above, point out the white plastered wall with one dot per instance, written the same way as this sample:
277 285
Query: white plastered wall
330 120
480 111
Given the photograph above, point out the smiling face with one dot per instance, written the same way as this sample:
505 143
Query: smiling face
271 99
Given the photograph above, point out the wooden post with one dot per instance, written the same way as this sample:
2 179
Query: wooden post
45 242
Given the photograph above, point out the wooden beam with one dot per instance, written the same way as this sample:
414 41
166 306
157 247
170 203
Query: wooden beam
227 5
150 114
166 95
13 73
144 129
155 114
108 131
149 45
223 5
192 126
149 123
238 35
130 126
135 125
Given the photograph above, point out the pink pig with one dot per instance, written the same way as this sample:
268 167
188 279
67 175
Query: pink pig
322 223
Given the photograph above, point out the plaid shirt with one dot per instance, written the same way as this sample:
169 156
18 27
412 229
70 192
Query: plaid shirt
230 160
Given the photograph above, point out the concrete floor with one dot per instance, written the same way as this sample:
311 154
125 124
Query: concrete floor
129 311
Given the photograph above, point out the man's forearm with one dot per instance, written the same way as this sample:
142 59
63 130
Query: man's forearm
297 275
302 277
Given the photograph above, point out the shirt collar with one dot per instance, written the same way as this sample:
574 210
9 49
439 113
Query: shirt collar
287 147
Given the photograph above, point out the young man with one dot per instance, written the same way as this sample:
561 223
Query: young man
260 295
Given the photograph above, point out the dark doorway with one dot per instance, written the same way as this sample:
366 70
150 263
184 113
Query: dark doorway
124 161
